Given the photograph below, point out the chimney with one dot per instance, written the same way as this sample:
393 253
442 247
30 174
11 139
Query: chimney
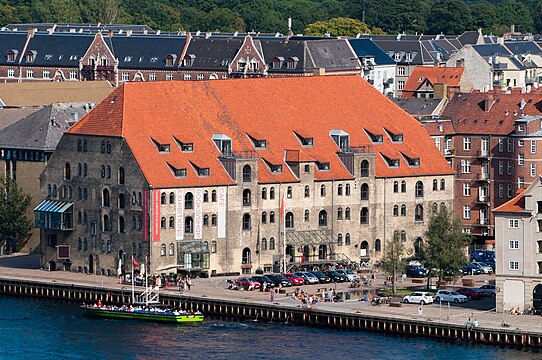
488 102
440 91
319 71
31 32
128 32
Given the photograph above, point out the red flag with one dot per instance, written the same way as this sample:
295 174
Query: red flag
134 261
282 206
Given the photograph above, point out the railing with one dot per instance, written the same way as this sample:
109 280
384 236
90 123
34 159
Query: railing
448 152
483 199
363 149
482 222
483 176
150 294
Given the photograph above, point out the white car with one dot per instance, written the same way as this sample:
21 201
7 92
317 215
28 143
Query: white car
485 268
489 290
450 296
418 297
351 275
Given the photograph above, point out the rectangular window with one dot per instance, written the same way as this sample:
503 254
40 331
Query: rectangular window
533 146
513 265
187 77
510 191
201 77
501 190
509 145
533 169
152 77
521 127
169 76
521 182
521 159
401 71
30 73
521 143
513 244
501 168
11 72
437 143
125 76
46 74
73 75
466 189
500 145
400 84
509 168
513 223
466 143
465 166
466 212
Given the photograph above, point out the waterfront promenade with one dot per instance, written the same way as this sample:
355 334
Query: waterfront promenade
216 288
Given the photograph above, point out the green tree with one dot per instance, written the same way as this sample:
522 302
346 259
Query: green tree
225 20
484 15
394 257
338 27
14 224
396 16
513 12
445 247
449 17
56 11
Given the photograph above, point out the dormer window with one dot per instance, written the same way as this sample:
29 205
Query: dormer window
241 64
305 141
185 147
127 58
277 62
342 139
323 166
201 171
521 127
170 59
162 148
223 143
189 60
258 144
375 138
408 57
396 138
11 55
275 169
254 65
292 63
30 56
154 59
397 56
412 161
178 173
392 163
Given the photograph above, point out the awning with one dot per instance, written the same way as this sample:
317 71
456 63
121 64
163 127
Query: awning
310 237
192 247
53 206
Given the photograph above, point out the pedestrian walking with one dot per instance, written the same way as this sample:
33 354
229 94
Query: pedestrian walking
272 295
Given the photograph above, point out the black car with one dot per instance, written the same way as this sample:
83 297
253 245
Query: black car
336 277
323 278
414 271
279 280
264 279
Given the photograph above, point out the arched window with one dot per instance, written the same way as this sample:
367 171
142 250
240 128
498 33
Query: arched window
188 225
85 193
264 244
106 224
163 222
108 147
85 146
289 220
340 239
403 210
163 198
419 189
364 216
322 218
364 168
205 196
347 189
264 217
171 222
213 220
139 223
435 185
121 201
122 226
85 169
108 245
403 186
307 215
272 244
205 220
171 249
271 193
322 190
102 149
442 184
79 217
435 207
364 248
49 190
246 197
340 189
103 171
70 192
79 169
307 191
134 198
246 222
163 250
105 198
395 210
80 244
418 247
80 193
347 239
67 172
347 213
289 192
172 197
188 201
403 235
79 145
54 190
418 214
396 186
134 222
213 196
272 217
340 213
108 172
85 244
246 257
378 245
213 246
264 193
121 176
247 173
364 191
85 218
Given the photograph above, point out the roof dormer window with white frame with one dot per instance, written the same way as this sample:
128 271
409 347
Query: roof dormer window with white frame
223 143
277 62
11 55
291 63
188 60
323 166
30 56
342 139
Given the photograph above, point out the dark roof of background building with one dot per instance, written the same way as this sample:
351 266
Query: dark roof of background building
81 28
11 41
419 106
367 48
523 47
61 50
487 50
10 116
331 54
213 53
469 37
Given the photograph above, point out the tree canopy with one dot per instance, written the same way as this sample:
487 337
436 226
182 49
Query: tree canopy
14 225
392 16
394 257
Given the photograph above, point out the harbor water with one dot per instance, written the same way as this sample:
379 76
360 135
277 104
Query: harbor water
59 330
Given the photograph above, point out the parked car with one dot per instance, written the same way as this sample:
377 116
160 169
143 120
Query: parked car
482 256
264 280
418 297
280 280
489 290
296 279
471 294
336 277
323 278
484 268
450 296
247 283
415 271
308 277
471 269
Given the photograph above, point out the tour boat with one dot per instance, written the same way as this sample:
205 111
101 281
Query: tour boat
150 314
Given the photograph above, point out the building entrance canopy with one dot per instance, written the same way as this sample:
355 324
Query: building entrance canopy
309 237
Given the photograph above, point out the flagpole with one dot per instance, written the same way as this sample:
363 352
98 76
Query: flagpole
133 289
147 281
284 239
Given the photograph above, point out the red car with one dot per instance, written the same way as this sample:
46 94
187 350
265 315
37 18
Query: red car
471 294
247 283
296 279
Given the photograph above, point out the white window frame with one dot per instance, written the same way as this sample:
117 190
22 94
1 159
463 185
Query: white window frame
466 189
201 76
29 74
466 212
501 190
466 143
521 143
11 73
465 166
501 146
521 159
125 76
501 167
510 191
513 265
533 169
187 77
513 223
400 84
401 71
533 146
152 77
513 244
169 76
509 168
521 182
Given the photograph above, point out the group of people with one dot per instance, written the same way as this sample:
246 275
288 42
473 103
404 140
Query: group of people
185 283
515 311
471 324
140 308
310 300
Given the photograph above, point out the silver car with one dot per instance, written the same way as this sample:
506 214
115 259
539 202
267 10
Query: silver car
485 268
309 278
349 274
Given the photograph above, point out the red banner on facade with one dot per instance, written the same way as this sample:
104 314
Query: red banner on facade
156 216
145 216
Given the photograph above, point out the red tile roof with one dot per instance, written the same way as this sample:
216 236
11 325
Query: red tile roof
447 75
514 205
271 109
433 127
468 115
